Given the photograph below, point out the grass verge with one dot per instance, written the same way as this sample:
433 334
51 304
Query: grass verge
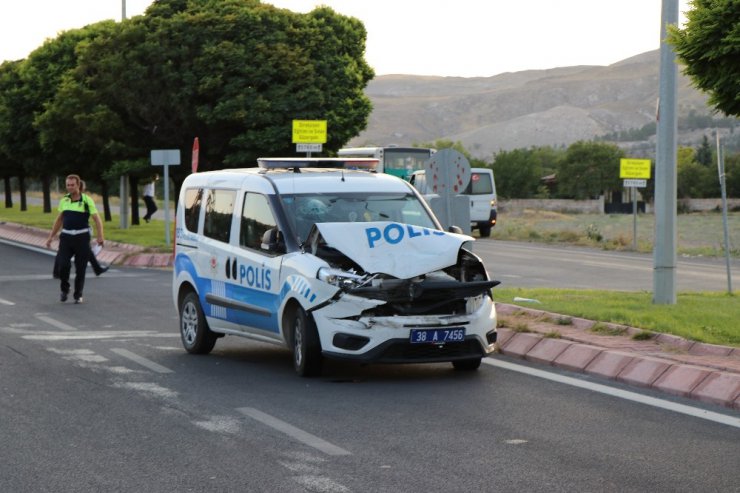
704 317
150 235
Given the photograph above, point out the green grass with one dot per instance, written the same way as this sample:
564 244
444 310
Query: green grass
706 317
699 234
150 235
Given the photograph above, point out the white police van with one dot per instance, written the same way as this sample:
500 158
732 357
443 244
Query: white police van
481 192
336 263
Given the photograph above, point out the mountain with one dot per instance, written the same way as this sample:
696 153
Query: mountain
521 109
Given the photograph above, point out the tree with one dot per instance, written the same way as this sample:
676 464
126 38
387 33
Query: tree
234 73
709 48
517 173
589 169
704 153
12 106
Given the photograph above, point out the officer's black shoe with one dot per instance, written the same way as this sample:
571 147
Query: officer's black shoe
78 300
103 269
63 296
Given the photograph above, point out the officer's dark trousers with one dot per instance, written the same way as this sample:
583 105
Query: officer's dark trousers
79 247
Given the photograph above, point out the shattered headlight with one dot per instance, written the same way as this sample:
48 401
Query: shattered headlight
339 278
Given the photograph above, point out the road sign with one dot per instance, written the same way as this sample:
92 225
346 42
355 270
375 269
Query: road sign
308 147
164 157
634 168
309 131
635 183
196 155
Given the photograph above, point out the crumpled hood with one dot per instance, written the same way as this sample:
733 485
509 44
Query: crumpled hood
399 250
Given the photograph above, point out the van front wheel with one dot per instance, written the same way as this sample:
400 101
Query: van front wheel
306 345
196 336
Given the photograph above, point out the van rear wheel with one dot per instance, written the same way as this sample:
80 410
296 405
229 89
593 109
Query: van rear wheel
307 357
195 334
484 231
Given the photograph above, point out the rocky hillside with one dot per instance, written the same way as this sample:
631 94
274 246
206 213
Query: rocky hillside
522 109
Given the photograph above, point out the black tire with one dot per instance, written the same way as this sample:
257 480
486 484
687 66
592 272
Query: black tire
307 359
195 334
484 231
466 364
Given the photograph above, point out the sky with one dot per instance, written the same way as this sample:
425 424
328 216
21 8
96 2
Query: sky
460 38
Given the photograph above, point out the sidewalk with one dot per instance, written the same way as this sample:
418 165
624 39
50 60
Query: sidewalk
663 362
113 252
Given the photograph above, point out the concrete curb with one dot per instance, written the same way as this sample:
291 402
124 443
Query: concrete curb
669 366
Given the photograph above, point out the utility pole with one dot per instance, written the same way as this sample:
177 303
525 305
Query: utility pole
664 253
123 184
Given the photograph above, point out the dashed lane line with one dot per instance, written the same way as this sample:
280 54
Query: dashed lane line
55 323
146 363
293 432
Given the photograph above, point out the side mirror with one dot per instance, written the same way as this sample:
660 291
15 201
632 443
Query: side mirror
272 241
455 229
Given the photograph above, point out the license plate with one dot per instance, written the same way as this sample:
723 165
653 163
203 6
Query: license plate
437 336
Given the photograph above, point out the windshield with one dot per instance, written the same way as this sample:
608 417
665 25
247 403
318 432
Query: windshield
305 210
404 162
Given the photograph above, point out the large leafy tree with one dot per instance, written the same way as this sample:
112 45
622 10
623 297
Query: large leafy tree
709 47
12 143
234 73
519 172
589 169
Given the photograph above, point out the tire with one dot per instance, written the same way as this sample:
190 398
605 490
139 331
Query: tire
307 359
196 337
466 364
484 231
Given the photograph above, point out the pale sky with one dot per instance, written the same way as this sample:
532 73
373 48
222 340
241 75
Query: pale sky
465 38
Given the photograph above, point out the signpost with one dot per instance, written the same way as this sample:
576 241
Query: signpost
166 158
448 173
309 135
635 173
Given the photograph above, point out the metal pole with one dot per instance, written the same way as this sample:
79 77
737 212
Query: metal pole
664 253
123 189
634 218
167 203
722 185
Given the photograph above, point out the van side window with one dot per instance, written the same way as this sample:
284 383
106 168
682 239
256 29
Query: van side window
256 219
219 209
193 199
480 183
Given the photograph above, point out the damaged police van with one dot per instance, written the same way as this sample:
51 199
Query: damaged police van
330 262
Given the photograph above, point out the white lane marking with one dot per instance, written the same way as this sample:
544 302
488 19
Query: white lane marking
81 335
6 302
55 323
622 394
293 432
141 360
149 389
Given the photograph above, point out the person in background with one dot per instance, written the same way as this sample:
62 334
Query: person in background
75 209
151 205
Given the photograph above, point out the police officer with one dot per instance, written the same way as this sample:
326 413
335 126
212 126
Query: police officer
75 209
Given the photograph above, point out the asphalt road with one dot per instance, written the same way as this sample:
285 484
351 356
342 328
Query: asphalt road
529 265
101 397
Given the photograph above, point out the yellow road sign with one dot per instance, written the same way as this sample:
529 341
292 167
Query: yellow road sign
634 168
309 131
